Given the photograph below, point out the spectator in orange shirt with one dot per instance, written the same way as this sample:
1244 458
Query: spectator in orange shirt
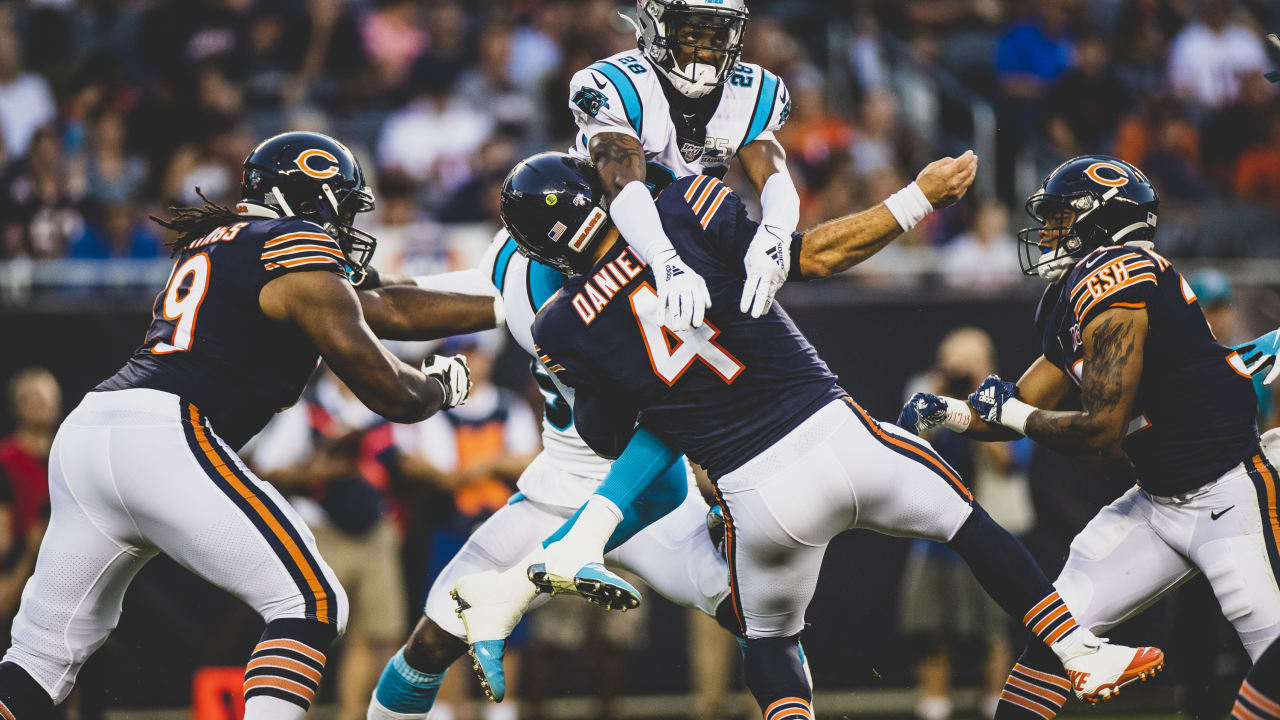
1257 173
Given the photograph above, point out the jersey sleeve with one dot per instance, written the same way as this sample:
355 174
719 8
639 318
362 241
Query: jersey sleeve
604 98
771 109
300 247
1120 277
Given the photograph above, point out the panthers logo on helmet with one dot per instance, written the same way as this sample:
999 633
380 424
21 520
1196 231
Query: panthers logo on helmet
590 100
307 163
1122 177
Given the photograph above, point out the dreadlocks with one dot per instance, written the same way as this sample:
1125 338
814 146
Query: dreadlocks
193 223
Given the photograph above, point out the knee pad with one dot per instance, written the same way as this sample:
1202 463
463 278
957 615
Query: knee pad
774 672
21 696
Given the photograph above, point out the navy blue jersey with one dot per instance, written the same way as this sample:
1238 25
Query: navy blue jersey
1195 413
722 393
209 341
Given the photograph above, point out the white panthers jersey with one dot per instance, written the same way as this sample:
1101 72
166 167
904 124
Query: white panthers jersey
623 94
524 287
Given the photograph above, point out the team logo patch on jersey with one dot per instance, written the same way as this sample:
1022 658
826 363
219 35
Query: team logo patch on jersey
317 163
691 151
590 101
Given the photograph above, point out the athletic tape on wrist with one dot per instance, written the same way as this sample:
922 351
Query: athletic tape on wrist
1014 414
909 206
958 417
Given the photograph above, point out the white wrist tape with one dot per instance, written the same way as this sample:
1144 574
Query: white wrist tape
499 311
1014 414
958 415
636 217
909 206
780 203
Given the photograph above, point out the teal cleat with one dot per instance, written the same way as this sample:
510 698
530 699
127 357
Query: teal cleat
486 661
593 582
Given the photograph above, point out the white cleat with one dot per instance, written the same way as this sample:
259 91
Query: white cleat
1099 673
490 605
563 570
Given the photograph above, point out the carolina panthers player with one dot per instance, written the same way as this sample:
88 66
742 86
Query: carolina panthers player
795 460
1122 329
146 464
662 537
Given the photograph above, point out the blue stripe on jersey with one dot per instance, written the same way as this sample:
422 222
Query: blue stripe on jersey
630 98
542 282
502 261
764 105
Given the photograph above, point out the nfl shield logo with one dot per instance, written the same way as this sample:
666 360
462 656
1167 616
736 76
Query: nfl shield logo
1076 342
691 151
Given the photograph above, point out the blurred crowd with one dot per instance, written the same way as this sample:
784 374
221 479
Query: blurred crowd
111 110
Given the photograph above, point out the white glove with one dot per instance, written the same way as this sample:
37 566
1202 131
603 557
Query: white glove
683 297
453 375
768 261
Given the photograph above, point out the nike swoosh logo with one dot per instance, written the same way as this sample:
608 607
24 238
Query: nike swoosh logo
599 84
1220 513
1091 261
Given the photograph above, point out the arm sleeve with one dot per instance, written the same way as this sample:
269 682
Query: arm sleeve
1121 278
599 105
300 247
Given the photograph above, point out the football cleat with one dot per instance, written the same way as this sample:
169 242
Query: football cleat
593 582
1098 675
490 605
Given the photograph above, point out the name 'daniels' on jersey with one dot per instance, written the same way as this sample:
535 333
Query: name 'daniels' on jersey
601 287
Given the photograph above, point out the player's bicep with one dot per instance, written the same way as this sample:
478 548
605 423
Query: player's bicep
761 158
1044 385
1113 357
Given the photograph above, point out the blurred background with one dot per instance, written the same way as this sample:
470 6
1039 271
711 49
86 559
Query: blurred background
112 110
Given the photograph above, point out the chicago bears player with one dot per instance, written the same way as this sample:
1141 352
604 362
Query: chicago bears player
682 104
1120 327
749 399
146 464
662 535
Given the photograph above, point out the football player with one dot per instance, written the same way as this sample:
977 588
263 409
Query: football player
795 460
662 535
147 463
1122 330
682 104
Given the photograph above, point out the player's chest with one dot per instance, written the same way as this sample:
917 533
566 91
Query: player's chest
686 142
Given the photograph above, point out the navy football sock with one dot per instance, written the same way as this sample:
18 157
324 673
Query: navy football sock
21 697
1259 697
284 671
775 674
1036 688
1011 576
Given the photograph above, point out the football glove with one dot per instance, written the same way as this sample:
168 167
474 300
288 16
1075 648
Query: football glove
453 375
683 297
1259 355
990 397
768 261
922 412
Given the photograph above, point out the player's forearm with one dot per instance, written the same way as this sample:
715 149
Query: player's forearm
765 163
619 159
984 431
837 245
407 312
1073 433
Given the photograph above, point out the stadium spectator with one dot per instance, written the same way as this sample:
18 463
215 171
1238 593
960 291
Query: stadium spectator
1035 51
41 201
1257 172
409 241
26 102
393 40
116 232
113 174
1085 103
335 459
984 258
35 401
1210 55
490 84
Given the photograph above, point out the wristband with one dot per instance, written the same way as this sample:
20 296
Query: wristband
1014 414
499 311
958 415
908 206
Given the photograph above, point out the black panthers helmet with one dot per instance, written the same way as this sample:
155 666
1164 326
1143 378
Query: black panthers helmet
553 205
313 176
1085 203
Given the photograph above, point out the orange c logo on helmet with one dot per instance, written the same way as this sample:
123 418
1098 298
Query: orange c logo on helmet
1121 179
306 164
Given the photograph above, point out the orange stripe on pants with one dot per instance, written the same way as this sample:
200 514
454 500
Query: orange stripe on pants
927 457
322 600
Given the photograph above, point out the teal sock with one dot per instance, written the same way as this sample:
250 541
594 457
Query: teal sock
406 691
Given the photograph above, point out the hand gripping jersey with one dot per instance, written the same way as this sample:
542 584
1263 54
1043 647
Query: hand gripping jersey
1195 414
525 286
721 393
625 94
209 341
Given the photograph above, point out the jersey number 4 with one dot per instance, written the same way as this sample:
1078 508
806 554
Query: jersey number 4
181 307
671 361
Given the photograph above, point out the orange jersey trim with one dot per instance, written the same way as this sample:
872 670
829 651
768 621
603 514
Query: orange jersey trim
715 205
296 236
893 440
303 248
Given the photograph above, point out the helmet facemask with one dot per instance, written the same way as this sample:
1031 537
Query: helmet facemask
1053 248
696 48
